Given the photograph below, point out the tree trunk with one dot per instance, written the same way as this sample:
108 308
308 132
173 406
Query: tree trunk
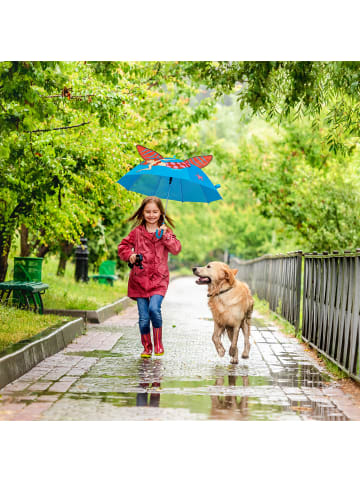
66 250
42 251
5 244
25 249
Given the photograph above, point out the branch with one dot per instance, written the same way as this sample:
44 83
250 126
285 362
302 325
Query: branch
31 147
20 208
72 97
57 128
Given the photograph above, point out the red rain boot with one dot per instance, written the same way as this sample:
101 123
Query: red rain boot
158 346
146 341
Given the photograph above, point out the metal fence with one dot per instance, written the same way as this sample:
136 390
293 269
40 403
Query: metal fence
331 304
276 279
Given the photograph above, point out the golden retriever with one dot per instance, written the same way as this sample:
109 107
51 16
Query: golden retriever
231 305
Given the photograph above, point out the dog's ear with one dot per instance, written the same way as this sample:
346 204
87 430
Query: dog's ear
229 275
235 271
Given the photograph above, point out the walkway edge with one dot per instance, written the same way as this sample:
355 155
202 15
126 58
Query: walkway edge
95 316
14 365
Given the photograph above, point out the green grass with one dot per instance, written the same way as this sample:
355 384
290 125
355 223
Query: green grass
17 325
332 368
65 293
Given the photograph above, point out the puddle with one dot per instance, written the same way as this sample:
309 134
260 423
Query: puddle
94 354
226 395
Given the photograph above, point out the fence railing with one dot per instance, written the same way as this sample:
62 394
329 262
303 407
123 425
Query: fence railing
276 279
330 302
331 306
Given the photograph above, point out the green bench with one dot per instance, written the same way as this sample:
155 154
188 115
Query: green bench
106 273
26 294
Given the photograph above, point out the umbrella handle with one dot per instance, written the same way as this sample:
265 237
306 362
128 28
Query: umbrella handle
159 235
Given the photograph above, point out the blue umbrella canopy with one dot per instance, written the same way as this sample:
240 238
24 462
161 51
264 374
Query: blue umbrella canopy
171 178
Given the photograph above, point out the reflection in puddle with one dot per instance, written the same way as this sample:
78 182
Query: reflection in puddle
149 380
287 390
226 395
229 407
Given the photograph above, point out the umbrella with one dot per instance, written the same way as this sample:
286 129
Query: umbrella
171 178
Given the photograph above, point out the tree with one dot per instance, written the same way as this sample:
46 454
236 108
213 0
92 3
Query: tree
297 179
68 133
283 89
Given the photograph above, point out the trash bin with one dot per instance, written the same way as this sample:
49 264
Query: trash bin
27 269
82 261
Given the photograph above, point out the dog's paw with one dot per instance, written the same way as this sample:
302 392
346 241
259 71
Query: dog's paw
234 361
232 350
245 355
221 351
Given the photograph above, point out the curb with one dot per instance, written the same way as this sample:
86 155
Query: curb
95 316
36 349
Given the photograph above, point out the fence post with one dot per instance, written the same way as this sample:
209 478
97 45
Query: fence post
299 257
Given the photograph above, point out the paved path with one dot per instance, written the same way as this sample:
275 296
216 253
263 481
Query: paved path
101 376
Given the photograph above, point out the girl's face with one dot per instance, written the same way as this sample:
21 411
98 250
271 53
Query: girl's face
151 213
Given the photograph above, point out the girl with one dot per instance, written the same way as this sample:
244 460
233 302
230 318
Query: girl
148 286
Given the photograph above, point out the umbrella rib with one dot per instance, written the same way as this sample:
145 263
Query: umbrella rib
157 187
202 189
182 194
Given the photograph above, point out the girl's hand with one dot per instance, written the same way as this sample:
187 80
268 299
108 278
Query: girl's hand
132 258
164 227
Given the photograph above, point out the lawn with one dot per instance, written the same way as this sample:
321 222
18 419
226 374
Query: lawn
66 293
17 325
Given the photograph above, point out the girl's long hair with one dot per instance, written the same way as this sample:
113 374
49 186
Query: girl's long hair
138 216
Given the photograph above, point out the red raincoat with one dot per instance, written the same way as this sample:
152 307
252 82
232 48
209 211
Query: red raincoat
154 278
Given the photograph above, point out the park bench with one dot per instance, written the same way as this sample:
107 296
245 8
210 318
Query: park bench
26 294
106 273
26 288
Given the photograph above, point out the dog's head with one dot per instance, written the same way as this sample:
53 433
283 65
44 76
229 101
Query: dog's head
215 274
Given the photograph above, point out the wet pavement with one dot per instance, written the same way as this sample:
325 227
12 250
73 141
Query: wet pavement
100 376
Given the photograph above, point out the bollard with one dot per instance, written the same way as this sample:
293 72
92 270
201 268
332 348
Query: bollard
82 261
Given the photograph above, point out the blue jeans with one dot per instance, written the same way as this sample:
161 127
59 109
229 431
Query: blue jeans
149 309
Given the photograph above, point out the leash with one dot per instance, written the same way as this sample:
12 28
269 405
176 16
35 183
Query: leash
221 292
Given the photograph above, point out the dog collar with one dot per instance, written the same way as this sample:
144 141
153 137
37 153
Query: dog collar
221 292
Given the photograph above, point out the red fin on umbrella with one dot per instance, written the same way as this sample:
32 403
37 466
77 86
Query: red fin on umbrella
200 161
148 154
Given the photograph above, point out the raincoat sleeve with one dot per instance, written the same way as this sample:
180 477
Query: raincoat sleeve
125 248
171 242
